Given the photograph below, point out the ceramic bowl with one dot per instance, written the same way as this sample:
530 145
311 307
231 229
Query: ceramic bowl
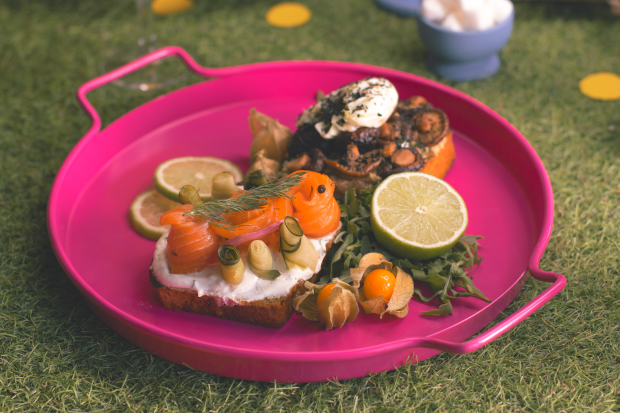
467 55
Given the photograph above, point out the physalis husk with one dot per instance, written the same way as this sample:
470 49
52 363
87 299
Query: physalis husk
398 304
338 308
268 136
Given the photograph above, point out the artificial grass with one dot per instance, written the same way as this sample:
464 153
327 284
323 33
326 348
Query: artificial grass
56 355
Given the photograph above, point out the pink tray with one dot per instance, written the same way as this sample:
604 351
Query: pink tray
497 172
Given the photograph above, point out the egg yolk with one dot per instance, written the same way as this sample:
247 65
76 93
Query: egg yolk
379 282
324 293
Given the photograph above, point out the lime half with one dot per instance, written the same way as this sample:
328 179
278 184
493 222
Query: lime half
175 173
416 215
145 212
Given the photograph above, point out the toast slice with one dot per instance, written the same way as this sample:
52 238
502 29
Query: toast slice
440 161
271 312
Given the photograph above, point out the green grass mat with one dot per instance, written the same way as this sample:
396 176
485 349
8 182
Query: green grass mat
56 355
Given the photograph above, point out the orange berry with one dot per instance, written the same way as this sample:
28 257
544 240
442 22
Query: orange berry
324 293
379 282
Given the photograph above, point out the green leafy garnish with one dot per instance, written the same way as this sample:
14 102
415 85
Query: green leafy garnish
442 275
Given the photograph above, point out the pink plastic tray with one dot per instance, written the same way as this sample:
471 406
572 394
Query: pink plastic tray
497 172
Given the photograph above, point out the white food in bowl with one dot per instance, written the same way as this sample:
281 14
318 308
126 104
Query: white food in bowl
454 21
501 10
478 19
472 15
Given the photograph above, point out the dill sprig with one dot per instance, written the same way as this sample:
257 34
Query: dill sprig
215 211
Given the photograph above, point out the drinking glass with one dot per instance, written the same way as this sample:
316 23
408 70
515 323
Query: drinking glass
164 72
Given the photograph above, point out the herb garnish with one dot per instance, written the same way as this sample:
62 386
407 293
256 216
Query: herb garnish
441 275
216 210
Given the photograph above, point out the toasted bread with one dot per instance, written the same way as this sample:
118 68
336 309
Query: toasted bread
271 312
440 163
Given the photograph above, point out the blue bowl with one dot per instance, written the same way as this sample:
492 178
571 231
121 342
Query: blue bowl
407 8
463 56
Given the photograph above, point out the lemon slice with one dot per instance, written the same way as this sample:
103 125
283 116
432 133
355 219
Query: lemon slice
145 211
175 173
416 215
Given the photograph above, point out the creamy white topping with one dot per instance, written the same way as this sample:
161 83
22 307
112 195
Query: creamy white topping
367 103
210 282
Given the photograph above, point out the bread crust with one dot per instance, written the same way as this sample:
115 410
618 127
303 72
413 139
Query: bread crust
269 312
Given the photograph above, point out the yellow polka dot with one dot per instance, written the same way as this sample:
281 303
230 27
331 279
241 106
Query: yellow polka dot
288 14
168 7
601 86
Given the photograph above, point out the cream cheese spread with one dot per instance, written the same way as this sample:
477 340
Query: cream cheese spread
367 103
210 282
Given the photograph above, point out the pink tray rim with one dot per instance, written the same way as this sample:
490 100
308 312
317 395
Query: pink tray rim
54 226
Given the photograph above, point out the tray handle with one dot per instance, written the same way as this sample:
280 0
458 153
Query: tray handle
559 281
136 65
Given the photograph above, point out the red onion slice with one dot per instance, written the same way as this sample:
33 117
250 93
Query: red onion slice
250 236
254 235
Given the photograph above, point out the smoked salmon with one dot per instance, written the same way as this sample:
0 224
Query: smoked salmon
314 205
190 240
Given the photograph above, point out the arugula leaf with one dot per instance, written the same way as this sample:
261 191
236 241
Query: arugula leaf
441 275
